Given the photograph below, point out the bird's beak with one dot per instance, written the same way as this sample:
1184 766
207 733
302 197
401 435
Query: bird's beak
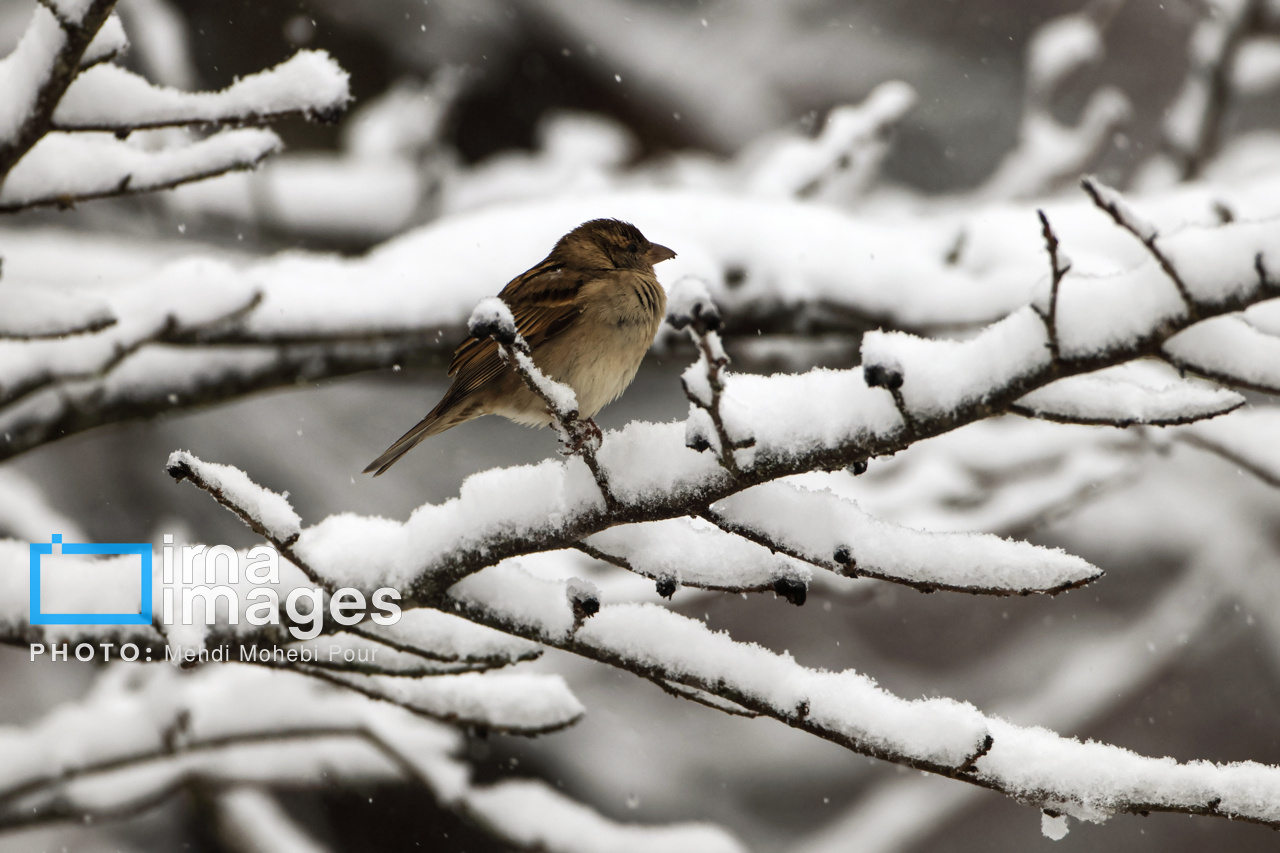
658 253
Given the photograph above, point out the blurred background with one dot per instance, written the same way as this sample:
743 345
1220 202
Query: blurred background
466 104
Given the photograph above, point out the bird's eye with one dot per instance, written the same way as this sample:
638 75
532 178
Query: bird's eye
632 247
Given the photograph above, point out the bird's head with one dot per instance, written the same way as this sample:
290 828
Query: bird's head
609 244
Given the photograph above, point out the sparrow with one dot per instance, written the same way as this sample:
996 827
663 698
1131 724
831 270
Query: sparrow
589 312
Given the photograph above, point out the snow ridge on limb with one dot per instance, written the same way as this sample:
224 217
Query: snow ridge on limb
57 82
112 167
267 513
1229 350
1116 397
834 533
110 98
679 552
533 816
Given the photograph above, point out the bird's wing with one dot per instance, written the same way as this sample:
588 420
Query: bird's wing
543 302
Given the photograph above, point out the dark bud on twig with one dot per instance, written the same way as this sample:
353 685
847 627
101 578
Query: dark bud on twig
699 443
698 311
496 330
844 556
859 467
667 586
882 376
584 598
792 590
179 471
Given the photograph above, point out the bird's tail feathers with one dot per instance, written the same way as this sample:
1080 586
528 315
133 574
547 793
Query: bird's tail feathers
436 422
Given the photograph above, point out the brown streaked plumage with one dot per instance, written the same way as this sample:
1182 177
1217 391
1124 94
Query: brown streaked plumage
589 312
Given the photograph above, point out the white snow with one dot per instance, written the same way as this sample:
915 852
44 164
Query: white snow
1256 68
108 96
1053 828
816 525
26 69
1060 47
451 638
693 553
1230 349
520 703
254 820
267 508
109 42
1122 396
1116 203
65 167
27 312
939 376
530 815
853 138
936 730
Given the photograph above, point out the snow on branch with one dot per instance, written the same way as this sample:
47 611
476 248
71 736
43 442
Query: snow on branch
820 420
268 513
232 722
825 530
212 294
1089 781
243 726
680 552
845 156
940 736
34 77
322 317
64 169
58 80
508 703
251 820
1118 397
27 313
532 816
690 307
1229 350
110 98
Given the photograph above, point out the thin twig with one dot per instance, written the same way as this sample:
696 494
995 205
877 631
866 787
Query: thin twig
1108 200
579 437
1058 271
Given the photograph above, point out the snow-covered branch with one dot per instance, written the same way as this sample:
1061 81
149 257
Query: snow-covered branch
237 726
59 82
690 307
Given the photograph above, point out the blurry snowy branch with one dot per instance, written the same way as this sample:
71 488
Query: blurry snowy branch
235 731
1049 152
1232 53
67 113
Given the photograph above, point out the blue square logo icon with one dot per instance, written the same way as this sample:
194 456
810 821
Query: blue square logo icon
40 551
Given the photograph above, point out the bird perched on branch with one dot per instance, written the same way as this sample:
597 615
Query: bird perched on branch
589 312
